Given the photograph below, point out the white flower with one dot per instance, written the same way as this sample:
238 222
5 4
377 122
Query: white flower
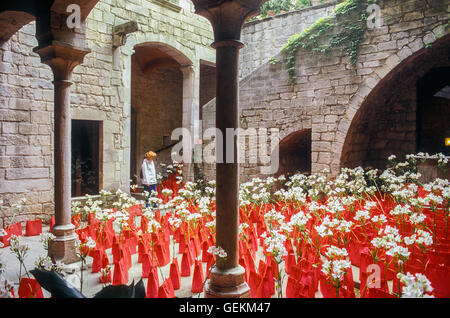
175 222
379 218
299 219
398 251
336 252
335 269
416 286
90 243
362 215
400 210
417 218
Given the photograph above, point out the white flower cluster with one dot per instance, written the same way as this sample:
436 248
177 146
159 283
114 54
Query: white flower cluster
175 222
421 238
336 268
336 252
400 210
362 216
218 251
299 220
416 286
274 244
328 226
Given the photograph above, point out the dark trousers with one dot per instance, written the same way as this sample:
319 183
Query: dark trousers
149 189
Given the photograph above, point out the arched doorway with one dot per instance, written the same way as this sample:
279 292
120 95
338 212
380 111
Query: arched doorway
158 93
295 153
396 116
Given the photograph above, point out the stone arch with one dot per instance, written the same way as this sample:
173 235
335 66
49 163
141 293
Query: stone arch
386 121
11 22
173 103
182 54
295 153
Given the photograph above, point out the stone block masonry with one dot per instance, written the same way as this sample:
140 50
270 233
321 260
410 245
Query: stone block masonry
357 115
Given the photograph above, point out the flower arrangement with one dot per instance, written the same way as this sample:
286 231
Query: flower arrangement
299 229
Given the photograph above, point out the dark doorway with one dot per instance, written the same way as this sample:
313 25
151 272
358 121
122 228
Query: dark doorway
133 149
433 111
86 157
295 153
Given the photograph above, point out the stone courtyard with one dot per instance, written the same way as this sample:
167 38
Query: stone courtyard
316 88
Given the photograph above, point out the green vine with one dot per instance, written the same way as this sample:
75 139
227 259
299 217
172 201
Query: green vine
346 28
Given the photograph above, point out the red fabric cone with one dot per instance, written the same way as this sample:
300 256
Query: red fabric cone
33 228
161 255
293 288
327 290
191 252
290 264
131 243
175 275
147 265
197 279
120 275
166 289
185 265
210 263
205 253
51 224
15 229
116 253
152 286
254 281
142 249
106 279
30 288
126 257
97 261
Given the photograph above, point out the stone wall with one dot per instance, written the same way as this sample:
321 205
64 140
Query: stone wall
336 100
265 38
101 91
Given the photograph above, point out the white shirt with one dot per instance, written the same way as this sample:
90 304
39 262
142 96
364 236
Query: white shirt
148 172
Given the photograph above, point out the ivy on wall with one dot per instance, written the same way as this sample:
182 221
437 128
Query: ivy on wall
345 30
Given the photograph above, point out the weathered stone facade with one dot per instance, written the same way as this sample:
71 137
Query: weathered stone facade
357 115
102 91
264 38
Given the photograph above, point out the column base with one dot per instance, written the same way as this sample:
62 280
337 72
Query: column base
227 284
62 248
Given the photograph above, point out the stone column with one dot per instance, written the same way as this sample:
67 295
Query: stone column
187 121
62 59
227 18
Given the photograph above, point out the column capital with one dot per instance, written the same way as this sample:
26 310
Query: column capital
227 16
62 58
